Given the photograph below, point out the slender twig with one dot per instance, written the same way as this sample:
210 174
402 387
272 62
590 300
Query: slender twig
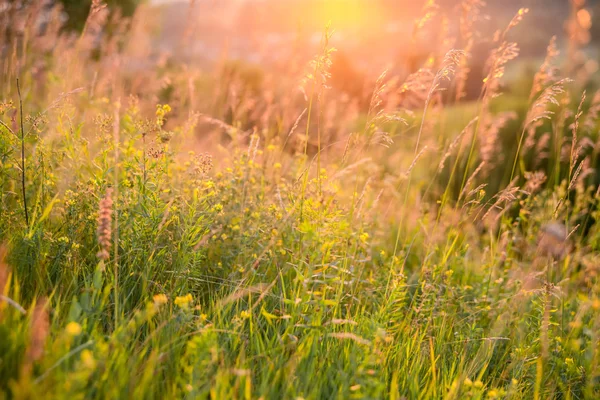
144 164
7 128
13 303
22 155
117 141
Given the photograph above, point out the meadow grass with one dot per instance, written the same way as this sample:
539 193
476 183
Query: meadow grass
176 233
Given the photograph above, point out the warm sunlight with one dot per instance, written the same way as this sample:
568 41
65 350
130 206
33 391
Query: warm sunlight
346 14
300 199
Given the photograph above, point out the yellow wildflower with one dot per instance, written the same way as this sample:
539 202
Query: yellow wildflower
160 299
88 359
73 329
184 301
245 314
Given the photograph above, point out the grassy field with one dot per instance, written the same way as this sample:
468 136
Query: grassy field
250 233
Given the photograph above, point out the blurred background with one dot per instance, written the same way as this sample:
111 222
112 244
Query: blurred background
370 35
246 63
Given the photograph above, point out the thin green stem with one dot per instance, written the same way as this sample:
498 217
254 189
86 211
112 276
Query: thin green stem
23 165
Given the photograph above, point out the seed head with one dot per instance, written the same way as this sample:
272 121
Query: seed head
553 240
104 230
39 331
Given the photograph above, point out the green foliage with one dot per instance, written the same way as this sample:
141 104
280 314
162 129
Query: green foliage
220 286
378 268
